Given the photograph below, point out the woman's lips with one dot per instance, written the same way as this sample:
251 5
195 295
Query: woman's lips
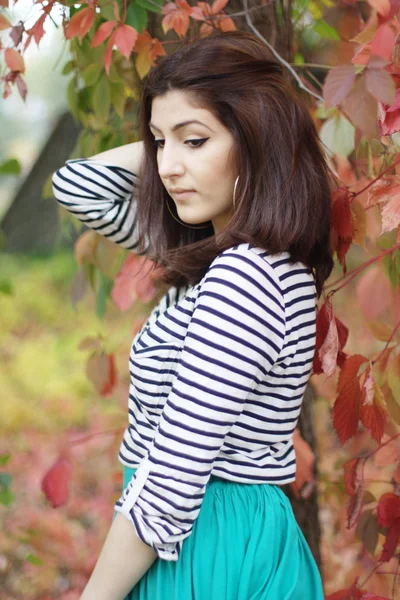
183 195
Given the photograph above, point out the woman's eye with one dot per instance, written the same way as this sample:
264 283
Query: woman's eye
194 143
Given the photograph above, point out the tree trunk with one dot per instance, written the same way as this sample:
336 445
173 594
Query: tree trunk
31 224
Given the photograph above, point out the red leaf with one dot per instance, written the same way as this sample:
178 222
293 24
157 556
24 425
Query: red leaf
133 282
23 90
80 23
350 475
108 53
389 117
342 223
338 84
125 39
14 60
4 3
388 509
373 412
361 107
346 410
383 42
176 17
147 49
322 327
4 23
37 31
391 214
101 371
55 482
102 33
380 85
390 545
16 34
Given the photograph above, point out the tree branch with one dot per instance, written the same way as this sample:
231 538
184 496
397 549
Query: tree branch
278 56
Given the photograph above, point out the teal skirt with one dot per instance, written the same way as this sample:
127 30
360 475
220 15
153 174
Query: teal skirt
245 545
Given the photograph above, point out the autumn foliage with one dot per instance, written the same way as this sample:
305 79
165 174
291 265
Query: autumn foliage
356 108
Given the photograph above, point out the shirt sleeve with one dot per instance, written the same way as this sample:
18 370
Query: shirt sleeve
100 195
235 336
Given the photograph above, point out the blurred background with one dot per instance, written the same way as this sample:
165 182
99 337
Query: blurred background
65 341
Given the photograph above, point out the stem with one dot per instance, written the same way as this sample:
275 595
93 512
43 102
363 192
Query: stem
125 11
87 437
312 65
396 162
278 56
387 343
378 564
354 272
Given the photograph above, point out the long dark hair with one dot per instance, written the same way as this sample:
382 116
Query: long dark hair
283 196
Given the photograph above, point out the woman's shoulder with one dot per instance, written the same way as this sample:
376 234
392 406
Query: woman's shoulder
279 269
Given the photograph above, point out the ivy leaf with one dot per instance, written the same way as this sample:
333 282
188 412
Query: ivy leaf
80 23
133 282
338 84
391 214
125 38
14 60
346 410
10 167
362 108
103 32
4 23
380 84
136 16
56 481
325 31
101 371
147 50
373 412
342 224
101 99
383 42
176 17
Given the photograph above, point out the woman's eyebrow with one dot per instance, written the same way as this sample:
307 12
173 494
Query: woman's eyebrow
183 124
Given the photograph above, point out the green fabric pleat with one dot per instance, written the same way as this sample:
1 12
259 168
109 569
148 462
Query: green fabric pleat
245 545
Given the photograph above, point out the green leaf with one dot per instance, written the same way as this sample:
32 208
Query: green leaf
101 99
6 496
387 264
118 98
91 74
103 292
337 133
136 17
10 167
394 275
72 97
150 6
5 480
34 560
325 31
68 67
5 459
6 287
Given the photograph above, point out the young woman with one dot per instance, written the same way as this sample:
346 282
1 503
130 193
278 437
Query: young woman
229 192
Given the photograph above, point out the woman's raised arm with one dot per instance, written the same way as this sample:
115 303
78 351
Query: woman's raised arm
101 191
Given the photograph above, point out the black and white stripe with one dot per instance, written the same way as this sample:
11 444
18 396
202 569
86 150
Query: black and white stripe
218 371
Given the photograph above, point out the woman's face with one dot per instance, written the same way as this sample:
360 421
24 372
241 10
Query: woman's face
193 154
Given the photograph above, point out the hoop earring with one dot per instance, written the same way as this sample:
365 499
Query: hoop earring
234 193
181 222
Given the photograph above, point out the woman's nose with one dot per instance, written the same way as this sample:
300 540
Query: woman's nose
169 163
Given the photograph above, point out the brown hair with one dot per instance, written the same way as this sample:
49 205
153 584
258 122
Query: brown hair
283 196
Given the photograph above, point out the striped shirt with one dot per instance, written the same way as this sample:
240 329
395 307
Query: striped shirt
218 371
